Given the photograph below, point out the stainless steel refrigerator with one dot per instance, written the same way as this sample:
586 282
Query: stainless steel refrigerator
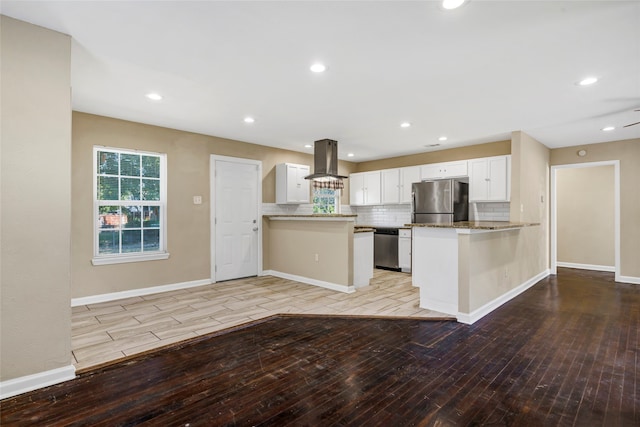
440 201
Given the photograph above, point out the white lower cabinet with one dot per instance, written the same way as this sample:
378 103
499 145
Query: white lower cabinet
404 249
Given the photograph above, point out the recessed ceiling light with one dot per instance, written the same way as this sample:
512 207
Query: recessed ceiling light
442 138
587 81
249 120
405 125
154 96
318 68
608 128
350 155
452 4
308 145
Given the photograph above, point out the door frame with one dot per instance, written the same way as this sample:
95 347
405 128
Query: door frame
554 204
213 202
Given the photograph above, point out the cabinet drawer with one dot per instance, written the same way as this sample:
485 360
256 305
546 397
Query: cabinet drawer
404 232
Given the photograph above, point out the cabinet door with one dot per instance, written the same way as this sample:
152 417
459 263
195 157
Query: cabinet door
356 189
404 252
408 176
453 169
430 171
390 186
372 188
478 179
498 179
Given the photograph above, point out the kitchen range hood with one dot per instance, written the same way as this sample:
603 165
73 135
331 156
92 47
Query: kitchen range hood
325 161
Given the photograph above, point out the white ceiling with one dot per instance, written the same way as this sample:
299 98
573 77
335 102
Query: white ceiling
473 74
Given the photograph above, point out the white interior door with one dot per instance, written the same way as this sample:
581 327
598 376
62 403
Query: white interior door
236 220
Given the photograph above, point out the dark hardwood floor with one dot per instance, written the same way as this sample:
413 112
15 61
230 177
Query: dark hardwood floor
563 353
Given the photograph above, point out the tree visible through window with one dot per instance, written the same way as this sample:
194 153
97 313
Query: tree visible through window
129 202
325 201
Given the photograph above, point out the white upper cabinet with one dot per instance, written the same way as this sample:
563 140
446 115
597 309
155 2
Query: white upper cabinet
444 170
490 179
396 184
291 187
365 188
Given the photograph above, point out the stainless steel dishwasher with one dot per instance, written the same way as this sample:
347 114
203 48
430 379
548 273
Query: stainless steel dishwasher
385 248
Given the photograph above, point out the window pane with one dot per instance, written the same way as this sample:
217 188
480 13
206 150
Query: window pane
109 217
151 166
151 189
151 216
131 216
130 165
109 242
151 240
107 188
107 163
131 241
129 189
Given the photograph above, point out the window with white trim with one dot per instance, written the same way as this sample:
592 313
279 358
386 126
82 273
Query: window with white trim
326 201
129 195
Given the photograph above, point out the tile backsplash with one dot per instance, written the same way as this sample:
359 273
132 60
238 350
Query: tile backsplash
383 215
489 211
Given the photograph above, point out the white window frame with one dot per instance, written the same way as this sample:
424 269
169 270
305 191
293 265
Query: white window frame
336 194
105 259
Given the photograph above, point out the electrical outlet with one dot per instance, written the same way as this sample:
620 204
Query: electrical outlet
197 200
317 257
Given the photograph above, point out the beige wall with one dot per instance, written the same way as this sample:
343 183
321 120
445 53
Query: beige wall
628 153
188 175
491 264
462 153
35 214
585 215
292 247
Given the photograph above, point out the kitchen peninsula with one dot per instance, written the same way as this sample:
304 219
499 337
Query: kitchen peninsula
468 269
321 250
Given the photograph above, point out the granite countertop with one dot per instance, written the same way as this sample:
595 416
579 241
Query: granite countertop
311 216
479 225
404 226
363 229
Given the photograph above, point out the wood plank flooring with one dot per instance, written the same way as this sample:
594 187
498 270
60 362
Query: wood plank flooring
105 332
564 353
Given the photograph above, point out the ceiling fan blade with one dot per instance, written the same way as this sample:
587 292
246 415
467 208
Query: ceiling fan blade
632 124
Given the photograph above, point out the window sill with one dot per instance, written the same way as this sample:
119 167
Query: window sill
120 259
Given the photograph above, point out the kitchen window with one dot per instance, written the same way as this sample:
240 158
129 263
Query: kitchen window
326 201
129 199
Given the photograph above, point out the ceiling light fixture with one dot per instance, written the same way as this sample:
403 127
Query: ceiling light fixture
154 96
308 146
587 81
318 68
442 138
608 128
350 155
452 4
405 125
249 120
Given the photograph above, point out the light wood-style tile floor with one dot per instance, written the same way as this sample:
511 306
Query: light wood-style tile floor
112 330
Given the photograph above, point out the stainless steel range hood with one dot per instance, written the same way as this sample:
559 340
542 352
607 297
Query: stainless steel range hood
325 161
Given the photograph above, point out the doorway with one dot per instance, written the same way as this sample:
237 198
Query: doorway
557 220
236 200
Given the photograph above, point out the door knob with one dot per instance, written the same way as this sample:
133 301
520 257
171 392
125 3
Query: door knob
255 228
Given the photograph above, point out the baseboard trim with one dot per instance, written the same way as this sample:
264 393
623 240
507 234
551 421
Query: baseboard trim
629 279
27 383
608 268
94 299
474 316
310 281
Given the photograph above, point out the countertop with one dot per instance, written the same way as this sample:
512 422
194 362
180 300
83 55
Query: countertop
359 229
402 226
313 216
479 225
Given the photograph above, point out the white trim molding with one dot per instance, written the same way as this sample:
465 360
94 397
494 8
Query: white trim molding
31 382
474 316
554 212
94 299
310 281
609 268
629 279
